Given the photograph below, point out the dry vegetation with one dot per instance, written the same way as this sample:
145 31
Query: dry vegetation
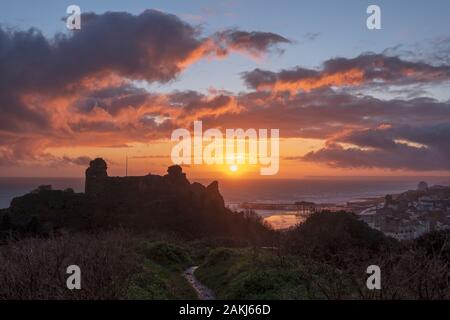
36 268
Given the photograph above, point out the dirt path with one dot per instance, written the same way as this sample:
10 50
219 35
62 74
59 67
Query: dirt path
203 292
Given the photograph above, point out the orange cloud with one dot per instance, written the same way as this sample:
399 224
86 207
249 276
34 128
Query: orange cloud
366 69
350 77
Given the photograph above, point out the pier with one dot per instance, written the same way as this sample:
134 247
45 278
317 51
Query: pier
301 208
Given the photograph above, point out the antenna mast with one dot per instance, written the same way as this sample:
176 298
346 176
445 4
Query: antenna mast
126 166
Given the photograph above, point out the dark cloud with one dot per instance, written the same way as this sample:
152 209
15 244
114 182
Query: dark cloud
311 36
58 88
148 46
404 147
366 69
94 126
434 51
192 101
402 157
323 114
255 43
429 135
152 46
112 99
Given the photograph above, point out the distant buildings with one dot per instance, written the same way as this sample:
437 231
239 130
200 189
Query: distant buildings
412 213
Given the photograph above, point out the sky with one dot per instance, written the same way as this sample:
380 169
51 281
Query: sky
347 100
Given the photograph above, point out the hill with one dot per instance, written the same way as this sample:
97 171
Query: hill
168 203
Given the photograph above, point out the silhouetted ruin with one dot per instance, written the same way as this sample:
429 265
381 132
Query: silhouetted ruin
152 191
140 203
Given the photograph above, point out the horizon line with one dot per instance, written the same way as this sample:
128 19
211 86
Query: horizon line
246 178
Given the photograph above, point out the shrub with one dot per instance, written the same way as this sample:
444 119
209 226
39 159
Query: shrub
166 254
36 268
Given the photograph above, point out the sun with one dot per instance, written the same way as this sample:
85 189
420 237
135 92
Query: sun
233 168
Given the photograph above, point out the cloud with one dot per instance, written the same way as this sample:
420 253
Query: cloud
80 89
311 36
434 51
358 131
324 114
404 147
111 49
117 146
23 151
196 106
123 107
369 125
254 43
113 117
366 69
79 161
60 89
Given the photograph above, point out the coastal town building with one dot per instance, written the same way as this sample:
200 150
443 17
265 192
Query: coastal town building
411 214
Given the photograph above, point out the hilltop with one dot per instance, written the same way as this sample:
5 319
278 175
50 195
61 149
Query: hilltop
167 203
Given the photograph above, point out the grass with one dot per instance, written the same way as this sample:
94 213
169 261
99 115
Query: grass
158 282
251 274
160 275
117 265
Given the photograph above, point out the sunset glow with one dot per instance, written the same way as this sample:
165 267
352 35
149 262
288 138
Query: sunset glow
359 111
243 150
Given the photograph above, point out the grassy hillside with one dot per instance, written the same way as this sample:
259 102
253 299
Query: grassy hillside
114 265
160 272
264 274
327 258
324 258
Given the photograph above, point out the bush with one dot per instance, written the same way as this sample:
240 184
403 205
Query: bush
250 274
36 268
335 237
166 254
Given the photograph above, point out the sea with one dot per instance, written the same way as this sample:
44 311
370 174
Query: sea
336 190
